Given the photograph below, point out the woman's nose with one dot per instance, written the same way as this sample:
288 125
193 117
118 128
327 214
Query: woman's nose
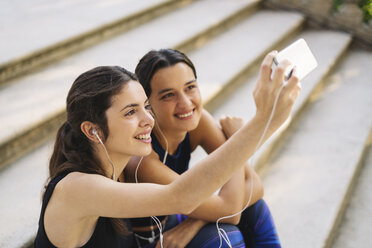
184 101
147 119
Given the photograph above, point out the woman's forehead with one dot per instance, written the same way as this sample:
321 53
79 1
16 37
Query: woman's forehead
172 76
132 92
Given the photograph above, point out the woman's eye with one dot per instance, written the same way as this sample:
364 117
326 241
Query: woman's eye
190 87
167 96
130 112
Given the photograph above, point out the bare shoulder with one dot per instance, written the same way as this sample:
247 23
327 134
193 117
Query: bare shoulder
208 134
150 159
206 122
150 162
135 163
74 178
77 182
70 194
152 170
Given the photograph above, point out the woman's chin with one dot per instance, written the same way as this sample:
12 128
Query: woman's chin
187 125
190 126
145 151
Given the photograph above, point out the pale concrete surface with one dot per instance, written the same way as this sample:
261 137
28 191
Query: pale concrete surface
21 186
27 26
326 47
246 42
355 229
306 180
33 98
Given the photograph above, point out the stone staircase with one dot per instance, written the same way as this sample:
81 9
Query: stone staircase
308 168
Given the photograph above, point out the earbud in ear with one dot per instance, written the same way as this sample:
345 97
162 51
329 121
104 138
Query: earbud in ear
94 132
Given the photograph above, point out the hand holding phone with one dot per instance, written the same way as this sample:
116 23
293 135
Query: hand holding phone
300 55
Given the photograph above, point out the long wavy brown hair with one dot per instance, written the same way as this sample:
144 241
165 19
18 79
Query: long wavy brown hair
88 99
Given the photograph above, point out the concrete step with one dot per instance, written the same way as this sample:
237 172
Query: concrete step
33 106
239 49
37 32
355 227
307 180
22 185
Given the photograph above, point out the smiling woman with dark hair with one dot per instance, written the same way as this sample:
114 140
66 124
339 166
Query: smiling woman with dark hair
170 82
108 121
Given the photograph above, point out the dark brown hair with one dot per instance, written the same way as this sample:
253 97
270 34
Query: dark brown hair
88 99
155 60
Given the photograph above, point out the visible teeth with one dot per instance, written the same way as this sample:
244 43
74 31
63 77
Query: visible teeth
185 115
143 136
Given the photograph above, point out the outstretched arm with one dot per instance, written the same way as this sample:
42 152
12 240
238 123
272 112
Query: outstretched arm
152 170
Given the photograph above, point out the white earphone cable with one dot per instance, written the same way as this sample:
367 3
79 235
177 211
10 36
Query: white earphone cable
166 143
154 218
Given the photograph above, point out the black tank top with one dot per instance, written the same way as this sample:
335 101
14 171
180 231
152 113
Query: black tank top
179 162
103 236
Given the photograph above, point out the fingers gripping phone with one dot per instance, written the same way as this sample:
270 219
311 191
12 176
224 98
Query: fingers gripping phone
300 55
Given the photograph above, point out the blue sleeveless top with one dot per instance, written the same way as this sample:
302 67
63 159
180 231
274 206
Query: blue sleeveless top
103 236
179 162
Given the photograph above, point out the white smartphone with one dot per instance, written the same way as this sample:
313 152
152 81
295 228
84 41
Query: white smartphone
300 55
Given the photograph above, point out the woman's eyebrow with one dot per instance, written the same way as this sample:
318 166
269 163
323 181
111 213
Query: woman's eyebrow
129 106
190 82
169 89
164 90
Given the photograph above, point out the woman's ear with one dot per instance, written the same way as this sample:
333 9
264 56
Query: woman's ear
90 131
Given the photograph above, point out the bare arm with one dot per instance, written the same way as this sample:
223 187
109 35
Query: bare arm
152 170
229 126
231 195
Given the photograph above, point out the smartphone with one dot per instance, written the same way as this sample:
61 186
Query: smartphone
300 55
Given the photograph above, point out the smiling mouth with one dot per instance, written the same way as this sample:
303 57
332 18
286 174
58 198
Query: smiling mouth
185 115
143 136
